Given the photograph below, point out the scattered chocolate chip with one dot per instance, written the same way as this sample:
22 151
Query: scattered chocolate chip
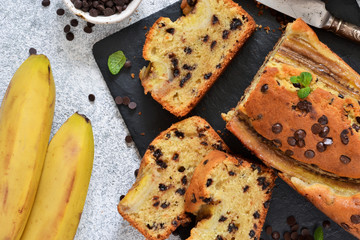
209 182
320 146
32 51
291 220
305 231
287 236
218 66
268 230
126 100
149 226
193 198
300 143
74 22
213 44
205 38
122 197
91 97
176 72
324 131
264 88
187 50
235 24
222 219
326 224
289 153
128 139
204 143
70 36
294 228
275 235
205 162
165 205
188 67
304 106
89 24
299 134
256 215
294 235
316 128
266 204
309 154
214 20
184 180
118 100
185 79
181 169
179 134
67 28
132 105
277 128
207 75
60 12
323 120
345 159
94 12
231 173
87 29
232 228
45 3
246 188
180 191
161 163
225 34
162 187
151 148
344 137
328 141
341 96
251 233
175 157
345 226
170 30
291 141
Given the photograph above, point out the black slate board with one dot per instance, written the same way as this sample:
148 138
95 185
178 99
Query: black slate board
222 96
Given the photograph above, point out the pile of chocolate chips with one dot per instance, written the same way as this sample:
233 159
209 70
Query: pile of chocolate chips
101 7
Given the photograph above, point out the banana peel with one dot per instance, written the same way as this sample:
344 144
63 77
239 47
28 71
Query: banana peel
26 116
64 182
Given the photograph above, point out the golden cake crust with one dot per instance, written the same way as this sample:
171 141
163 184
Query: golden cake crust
161 91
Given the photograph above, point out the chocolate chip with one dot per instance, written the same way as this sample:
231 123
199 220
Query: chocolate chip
291 220
256 215
184 180
324 131
89 24
180 191
300 143
299 134
126 100
291 141
149 226
316 128
209 182
235 24
341 96
74 22
326 224
45 3
162 187
323 120
136 172
266 204
204 143
277 143
94 12
67 28
287 236
289 153
70 36
161 164
344 137
191 2
151 148
356 127
295 227
128 139
205 162
214 20
193 198
32 51
345 159
355 219
213 44
118 100
205 38
264 88
218 66
188 67
132 105
304 106
225 34
232 228
181 169
345 226
207 75
175 157
179 134
305 231
231 173
320 146
268 230
170 30
275 235
246 188
251 233
187 50
207 200
309 154
218 237
185 79
328 141
165 205
91 97
277 128
176 72
60 12
88 30
122 197
294 235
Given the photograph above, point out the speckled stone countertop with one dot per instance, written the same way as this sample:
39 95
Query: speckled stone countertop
26 24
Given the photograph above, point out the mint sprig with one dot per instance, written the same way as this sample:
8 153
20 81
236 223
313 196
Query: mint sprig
116 61
319 234
304 80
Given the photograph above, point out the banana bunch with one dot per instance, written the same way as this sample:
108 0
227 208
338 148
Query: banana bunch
42 187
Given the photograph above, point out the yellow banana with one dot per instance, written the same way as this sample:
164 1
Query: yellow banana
26 117
64 183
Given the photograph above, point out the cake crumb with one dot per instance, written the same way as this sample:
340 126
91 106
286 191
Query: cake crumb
142 134
133 75
145 27
139 113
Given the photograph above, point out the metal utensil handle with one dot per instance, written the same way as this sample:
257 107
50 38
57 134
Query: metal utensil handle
343 29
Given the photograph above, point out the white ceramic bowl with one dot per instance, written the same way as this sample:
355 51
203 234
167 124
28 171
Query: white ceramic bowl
118 17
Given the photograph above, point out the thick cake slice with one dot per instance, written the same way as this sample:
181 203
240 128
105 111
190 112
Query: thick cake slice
230 197
155 203
188 55
312 138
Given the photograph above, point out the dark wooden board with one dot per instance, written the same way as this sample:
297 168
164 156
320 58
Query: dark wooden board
223 96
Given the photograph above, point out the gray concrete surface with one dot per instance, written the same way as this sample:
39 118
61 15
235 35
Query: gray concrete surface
25 24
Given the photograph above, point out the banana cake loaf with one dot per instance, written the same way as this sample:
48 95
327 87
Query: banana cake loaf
155 203
301 115
188 55
230 197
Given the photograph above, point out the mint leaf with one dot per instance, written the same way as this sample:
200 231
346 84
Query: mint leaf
319 234
306 78
304 92
116 61
294 79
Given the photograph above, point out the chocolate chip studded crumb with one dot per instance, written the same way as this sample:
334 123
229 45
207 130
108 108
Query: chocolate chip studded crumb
214 20
316 128
45 3
218 237
60 12
161 164
184 180
205 38
185 79
70 36
187 50
132 105
251 233
67 28
91 97
157 203
126 100
323 120
268 230
181 169
179 134
231 173
74 22
326 224
32 51
175 157
128 139
163 187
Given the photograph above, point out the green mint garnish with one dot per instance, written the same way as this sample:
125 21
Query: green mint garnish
319 234
116 61
304 80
